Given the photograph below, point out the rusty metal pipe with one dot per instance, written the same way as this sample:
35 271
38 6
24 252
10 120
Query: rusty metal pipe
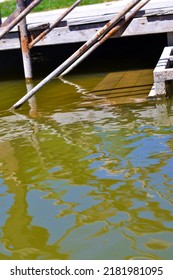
14 15
119 29
6 29
9 19
45 32
24 42
77 54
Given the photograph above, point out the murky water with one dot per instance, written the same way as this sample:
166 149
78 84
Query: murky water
85 174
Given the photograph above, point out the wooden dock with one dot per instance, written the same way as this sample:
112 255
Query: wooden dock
84 21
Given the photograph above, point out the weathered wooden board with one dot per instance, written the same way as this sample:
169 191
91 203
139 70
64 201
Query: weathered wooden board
122 81
121 87
85 21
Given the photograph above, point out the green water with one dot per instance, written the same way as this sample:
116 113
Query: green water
82 179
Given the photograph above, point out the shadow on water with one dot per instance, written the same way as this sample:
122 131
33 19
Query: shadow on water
86 170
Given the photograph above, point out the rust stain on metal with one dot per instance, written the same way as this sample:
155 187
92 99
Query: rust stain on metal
42 35
24 44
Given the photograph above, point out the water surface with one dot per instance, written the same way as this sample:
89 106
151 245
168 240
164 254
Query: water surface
85 174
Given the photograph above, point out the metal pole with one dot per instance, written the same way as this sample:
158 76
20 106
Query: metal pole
14 15
45 32
106 28
24 41
19 17
119 28
10 18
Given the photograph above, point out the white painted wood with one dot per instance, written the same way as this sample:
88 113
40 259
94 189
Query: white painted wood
84 21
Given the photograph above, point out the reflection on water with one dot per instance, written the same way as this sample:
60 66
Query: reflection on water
83 178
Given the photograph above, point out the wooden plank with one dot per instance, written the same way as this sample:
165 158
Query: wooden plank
65 35
12 42
123 82
131 86
89 13
92 13
84 21
108 82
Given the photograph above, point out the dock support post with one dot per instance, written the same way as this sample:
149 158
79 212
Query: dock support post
24 41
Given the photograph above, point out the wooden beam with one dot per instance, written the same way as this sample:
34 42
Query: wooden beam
82 23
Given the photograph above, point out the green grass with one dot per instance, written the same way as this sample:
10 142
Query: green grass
9 6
